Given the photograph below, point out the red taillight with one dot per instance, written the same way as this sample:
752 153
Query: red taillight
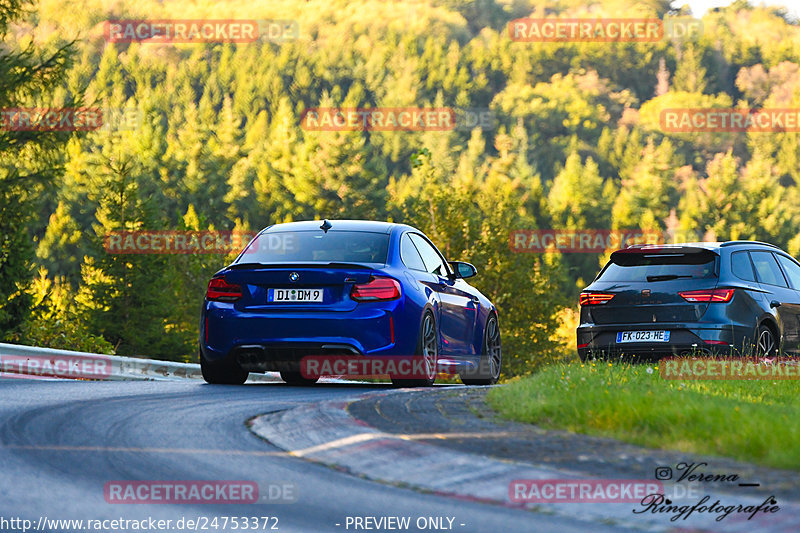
376 289
706 296
595 298
221 291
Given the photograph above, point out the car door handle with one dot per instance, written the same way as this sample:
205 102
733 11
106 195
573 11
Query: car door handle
774 303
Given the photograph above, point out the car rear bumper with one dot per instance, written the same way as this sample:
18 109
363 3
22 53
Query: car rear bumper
286 356
274 341
684 338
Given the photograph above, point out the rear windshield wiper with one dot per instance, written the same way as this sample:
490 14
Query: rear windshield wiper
667 277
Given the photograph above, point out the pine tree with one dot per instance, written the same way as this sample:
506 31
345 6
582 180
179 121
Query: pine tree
647 192
61 249
690 76
578 200
29 160
125 297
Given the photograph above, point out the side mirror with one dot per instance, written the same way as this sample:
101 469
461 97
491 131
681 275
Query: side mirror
463 270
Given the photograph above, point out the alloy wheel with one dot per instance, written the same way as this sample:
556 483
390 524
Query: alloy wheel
766 344
492 349
430 346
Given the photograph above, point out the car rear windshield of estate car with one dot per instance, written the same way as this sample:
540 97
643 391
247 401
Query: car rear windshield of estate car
656 266
317 246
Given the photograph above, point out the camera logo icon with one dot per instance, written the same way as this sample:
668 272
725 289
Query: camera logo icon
663 473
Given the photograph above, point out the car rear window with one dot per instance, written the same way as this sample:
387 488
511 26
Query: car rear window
741 266
317 246
659 265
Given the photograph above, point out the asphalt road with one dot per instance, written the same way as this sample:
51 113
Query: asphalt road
61 442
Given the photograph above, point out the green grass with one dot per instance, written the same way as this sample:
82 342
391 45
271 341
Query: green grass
757 421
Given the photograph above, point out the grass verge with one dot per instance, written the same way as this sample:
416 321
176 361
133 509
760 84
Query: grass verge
757 421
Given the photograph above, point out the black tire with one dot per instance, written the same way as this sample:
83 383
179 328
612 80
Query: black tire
765 344
296 378
222 372
488 371
428 348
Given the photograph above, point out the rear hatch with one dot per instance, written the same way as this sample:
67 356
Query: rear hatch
297 287
642 286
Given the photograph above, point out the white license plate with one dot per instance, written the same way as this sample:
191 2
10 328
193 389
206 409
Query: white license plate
294 295
643 336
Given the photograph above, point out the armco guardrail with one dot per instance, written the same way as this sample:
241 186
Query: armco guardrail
17 360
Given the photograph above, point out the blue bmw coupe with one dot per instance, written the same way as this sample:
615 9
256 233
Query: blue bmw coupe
349 288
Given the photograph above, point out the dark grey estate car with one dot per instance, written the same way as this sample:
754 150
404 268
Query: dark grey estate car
658 300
